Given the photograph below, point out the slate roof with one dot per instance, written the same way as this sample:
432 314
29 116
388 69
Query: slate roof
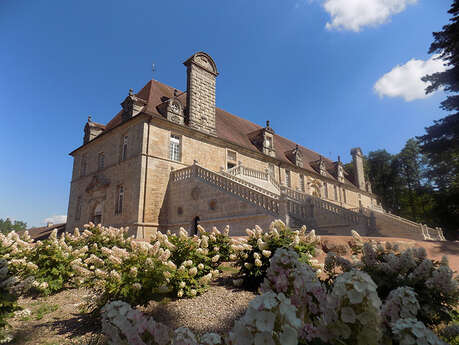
230 127
42 233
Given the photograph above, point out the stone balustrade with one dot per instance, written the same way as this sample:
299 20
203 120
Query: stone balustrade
247 191
305 199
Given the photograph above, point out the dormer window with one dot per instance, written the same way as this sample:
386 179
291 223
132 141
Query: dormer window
269 142
263 139
322 168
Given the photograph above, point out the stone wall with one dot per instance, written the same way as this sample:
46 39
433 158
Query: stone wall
100 186
214 207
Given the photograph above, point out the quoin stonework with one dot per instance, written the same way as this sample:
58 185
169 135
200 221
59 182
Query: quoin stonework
172 159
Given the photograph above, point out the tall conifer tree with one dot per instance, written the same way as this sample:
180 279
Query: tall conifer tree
441 143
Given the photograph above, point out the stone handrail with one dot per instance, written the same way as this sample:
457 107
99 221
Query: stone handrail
303 198
428 233
250 185
270 203
250 172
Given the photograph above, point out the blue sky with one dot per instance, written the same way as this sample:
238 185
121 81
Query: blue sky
279 60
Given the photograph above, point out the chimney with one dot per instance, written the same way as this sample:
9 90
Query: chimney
201 76
359 174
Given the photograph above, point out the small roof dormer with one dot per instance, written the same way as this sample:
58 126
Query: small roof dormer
295 156
263 139
339 170
92 130
132 106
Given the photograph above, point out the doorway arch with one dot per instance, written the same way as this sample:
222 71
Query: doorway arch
195 225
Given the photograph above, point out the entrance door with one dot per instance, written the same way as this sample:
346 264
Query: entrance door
195 225
97 217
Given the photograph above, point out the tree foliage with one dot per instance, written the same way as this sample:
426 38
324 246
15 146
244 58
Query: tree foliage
441 142
7 225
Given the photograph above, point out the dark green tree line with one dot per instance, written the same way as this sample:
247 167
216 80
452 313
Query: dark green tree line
7 225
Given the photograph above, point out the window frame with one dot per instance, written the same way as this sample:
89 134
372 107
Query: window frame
83 165
120 193
288 178
302 184
124 147
100 160
178 145
78 208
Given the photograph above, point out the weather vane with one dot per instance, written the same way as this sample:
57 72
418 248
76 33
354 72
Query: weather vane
153 68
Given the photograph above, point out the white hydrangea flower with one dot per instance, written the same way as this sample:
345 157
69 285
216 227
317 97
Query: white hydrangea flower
192 271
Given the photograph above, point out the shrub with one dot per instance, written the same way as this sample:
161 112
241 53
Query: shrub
432 282
8 300
253 255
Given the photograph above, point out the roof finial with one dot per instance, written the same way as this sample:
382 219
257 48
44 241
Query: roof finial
89 118
175 92
131 92
153 68
267 123
339 158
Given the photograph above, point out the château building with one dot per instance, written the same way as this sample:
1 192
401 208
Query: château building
172 159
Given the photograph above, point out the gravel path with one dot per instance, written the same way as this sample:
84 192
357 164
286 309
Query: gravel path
214 311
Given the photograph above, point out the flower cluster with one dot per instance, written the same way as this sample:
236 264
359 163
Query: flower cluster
115 266
354 309
252 255
296 307
298 281
436 290
270 319
7 300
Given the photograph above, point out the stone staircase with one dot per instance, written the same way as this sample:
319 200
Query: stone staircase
247 191
390 225
297 208
322 215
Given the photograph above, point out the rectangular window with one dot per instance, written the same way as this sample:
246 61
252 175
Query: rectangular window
78 209
232 156
83 166
336 193
326 190
302 183
271 169
269 142
124 148
100 161
344 196
119 200
288 179
174 148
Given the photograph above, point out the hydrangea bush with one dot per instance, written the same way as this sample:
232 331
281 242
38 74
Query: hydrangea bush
8 300
115 266
295 308
432 282
252 255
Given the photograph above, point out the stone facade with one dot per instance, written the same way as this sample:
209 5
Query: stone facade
243 174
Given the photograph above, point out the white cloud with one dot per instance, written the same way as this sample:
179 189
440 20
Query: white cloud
355 14
405 81
56 219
